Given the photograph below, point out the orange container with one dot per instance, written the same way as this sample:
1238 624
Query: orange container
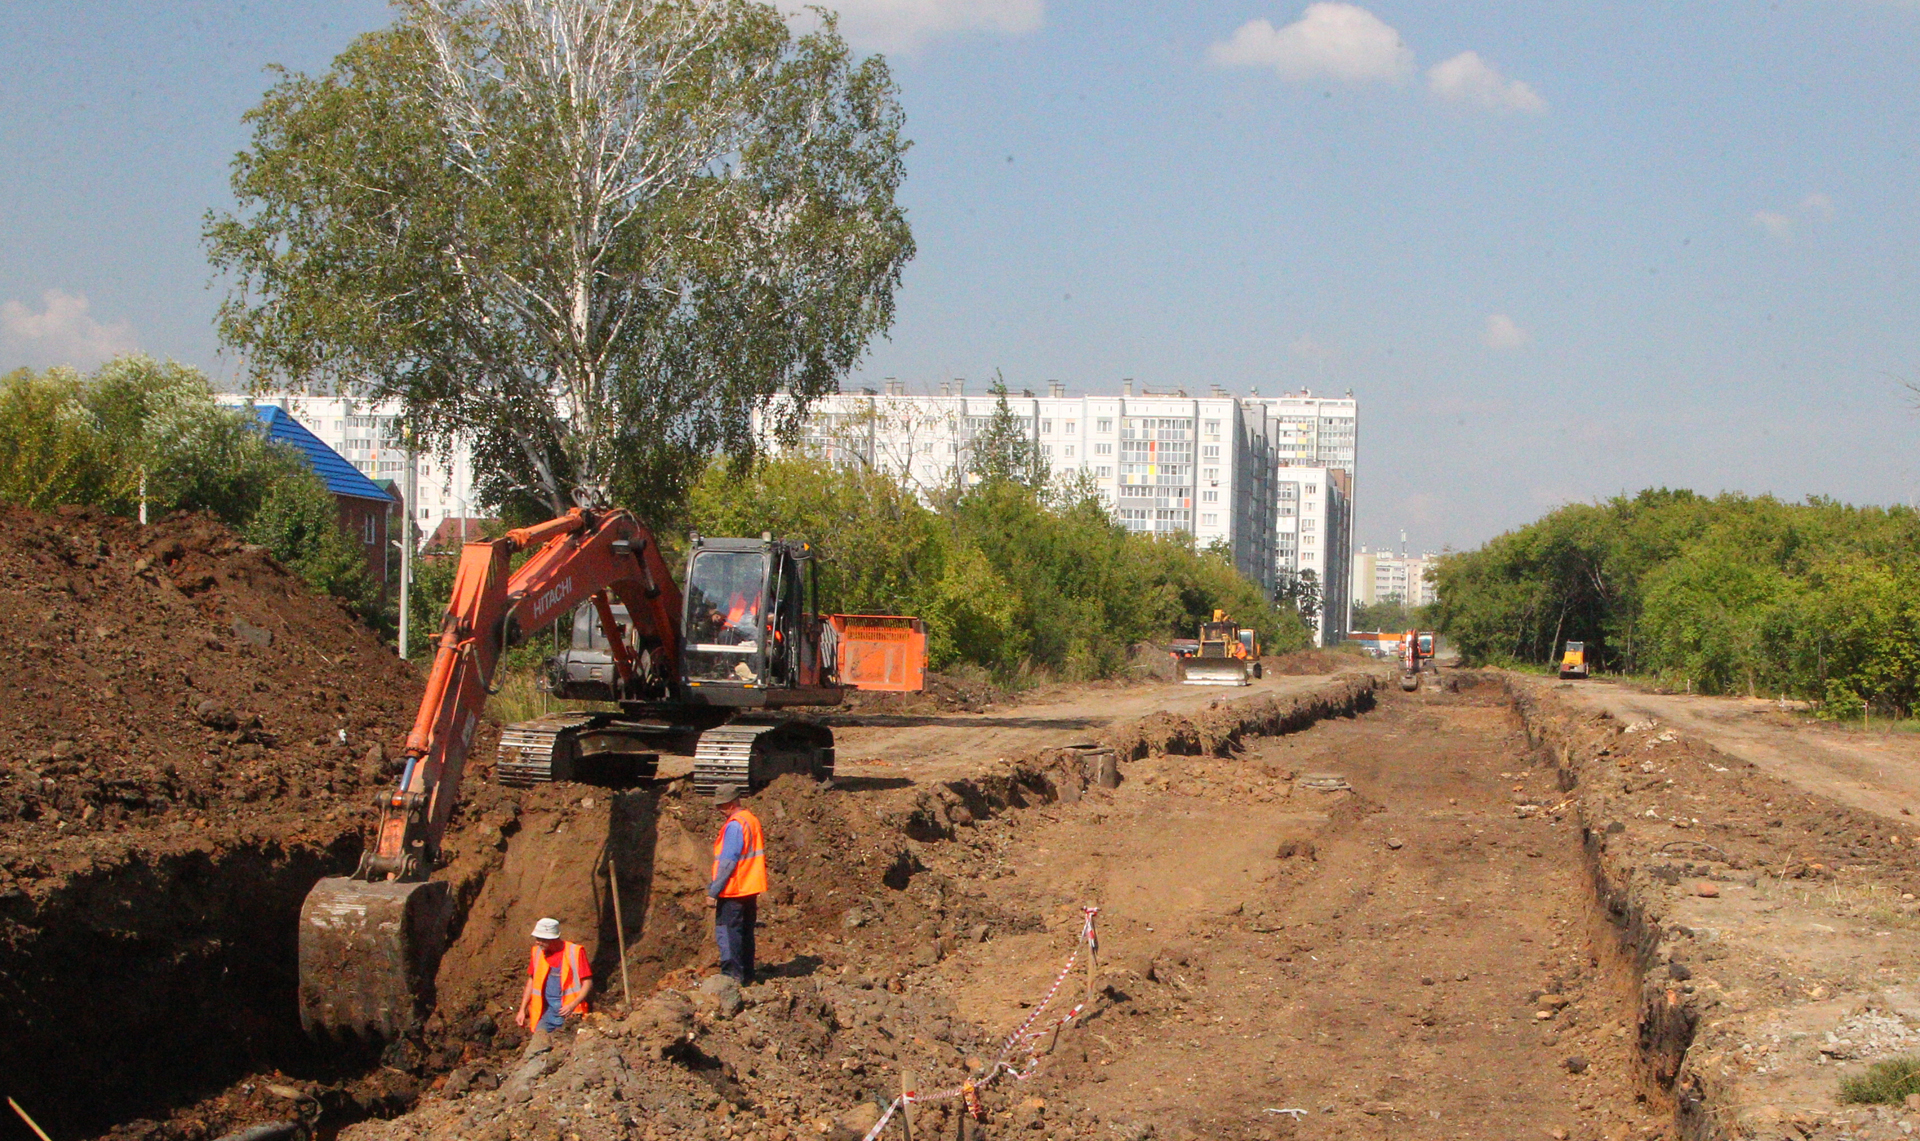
884 652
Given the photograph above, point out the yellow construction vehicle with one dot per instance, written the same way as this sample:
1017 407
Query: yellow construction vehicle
1573 663
1228 655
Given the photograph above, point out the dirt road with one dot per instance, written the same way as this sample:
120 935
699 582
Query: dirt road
1876 772
1372 959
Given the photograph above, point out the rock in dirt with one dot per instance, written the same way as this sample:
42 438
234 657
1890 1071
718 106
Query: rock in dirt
724 990
1576 1064
663 1023
1706 889
856 1121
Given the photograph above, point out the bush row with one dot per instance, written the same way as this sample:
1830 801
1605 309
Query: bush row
1731 594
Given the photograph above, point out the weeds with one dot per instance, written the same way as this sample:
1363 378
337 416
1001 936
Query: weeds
1884 1083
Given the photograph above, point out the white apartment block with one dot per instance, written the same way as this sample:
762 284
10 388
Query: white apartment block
1212 467
1382 575
365 433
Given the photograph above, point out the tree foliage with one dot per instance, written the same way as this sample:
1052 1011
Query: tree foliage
1008 578
1818 600
593 237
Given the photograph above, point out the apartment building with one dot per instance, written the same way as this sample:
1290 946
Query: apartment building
366 434
1379 576
1262 476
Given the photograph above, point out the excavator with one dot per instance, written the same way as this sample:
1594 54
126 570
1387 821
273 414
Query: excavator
1416 658
702 672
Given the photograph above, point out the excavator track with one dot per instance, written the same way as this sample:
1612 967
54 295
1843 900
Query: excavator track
535 752
750 756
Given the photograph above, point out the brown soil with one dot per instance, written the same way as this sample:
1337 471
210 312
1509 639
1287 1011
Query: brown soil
1776 930
193 740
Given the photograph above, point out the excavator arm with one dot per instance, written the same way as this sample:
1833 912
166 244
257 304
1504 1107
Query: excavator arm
369 943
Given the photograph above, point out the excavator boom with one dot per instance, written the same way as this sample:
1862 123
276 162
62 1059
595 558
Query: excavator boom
370 942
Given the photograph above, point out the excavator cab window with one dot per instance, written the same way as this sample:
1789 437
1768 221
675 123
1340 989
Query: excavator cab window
726 593
789 620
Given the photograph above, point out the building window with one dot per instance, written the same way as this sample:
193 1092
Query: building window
1069 451
1213 429
1104 425
1103 449
1046 426
1209 497
1069 427
1103 472
1306 524
1313 489
1211 475
1210 452
368 521
1209 520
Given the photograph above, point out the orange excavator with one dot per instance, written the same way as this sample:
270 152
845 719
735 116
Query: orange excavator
701 672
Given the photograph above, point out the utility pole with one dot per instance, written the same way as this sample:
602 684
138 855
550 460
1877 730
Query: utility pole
410 492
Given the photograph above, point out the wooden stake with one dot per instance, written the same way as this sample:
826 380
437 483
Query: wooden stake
906 1107
31 1124
619 928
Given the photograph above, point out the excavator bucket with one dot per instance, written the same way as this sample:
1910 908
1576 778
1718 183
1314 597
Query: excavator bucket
1214 671
368 953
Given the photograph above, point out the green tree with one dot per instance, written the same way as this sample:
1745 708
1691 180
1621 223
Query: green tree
51 449
191 453
1005 450
592 236
298 520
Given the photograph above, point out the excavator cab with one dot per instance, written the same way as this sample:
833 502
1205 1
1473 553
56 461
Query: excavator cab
750 621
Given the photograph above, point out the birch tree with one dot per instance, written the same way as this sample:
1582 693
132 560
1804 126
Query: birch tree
594 237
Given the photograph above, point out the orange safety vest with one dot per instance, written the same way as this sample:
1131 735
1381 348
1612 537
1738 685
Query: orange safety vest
573 981
750 874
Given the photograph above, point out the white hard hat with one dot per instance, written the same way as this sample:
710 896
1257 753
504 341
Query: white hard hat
547 929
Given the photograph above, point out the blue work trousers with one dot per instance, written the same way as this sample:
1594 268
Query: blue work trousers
733 921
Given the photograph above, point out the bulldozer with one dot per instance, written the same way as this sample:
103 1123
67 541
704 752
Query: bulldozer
1228 655
703 672
1573 661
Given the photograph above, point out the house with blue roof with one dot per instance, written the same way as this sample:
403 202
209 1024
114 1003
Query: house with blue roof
365 506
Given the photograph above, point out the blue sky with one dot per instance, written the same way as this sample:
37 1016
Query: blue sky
1615 246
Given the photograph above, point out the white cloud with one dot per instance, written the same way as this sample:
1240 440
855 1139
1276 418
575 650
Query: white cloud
64 332
1502 333
906 25
1308 348
1780 224
1330 41
1776 224
1466 78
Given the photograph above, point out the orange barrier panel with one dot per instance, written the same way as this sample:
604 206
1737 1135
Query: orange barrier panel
881 652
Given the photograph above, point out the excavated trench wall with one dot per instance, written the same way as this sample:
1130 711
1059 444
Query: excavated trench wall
136 985
1628 930
1063 774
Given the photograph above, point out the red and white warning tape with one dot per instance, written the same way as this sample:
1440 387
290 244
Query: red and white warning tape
1027 1036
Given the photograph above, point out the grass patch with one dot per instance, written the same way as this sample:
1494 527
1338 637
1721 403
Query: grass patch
518 697
1884 1083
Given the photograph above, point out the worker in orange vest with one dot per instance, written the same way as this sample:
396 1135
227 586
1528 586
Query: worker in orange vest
739 876
558 980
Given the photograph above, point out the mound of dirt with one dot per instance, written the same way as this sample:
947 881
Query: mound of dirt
172 685
194 738
1302 663
944 693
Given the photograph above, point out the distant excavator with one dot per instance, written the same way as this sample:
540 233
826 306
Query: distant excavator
1416 658
1228 655
699 673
